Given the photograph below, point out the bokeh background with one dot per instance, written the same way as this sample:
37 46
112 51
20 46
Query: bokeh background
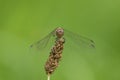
22 22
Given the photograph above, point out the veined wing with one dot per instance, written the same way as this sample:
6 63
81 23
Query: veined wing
79 40
41 44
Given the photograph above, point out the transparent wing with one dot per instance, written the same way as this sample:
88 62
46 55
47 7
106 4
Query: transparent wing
41 44
79 40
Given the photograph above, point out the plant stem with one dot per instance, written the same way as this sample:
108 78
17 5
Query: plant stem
48 78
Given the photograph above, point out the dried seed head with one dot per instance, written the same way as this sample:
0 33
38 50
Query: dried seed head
54 57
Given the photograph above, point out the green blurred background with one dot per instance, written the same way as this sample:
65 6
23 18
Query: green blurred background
23 22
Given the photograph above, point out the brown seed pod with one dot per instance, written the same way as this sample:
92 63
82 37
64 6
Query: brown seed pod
54 57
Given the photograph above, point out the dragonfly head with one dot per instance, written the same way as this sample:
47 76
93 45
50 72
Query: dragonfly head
59 32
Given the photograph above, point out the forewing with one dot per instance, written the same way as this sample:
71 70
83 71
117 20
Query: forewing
79 40
41 44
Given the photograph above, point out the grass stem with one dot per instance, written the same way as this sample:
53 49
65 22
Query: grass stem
48 78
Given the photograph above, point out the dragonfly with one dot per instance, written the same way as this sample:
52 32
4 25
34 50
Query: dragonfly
56 51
